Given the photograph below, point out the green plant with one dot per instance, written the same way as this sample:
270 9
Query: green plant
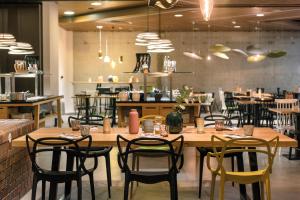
183 98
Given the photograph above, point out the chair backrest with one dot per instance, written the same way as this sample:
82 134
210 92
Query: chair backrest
57 145
173 149
95 120
152 117
80 99
211 119
250 145
222 99
287 103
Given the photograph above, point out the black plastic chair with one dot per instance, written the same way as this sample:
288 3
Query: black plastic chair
203 151
58 146
96 152
151 177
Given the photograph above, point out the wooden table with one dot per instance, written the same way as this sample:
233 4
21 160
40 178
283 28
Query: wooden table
191 139
36 108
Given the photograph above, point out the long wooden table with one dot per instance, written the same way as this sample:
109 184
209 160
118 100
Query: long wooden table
191 139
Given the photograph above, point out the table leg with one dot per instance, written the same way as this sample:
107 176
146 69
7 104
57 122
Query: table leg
36 116
254 167
120 116
54 167
240 166
59 119
87 106
69 167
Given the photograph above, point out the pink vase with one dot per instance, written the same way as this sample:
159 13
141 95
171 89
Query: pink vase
133 122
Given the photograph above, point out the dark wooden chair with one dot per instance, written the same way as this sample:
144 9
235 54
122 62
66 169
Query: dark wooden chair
137 146
58 146
96 152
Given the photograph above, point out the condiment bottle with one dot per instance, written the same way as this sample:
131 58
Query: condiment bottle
106 125
133 121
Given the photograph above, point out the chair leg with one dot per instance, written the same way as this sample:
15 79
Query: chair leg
268 188
91 176
108 174
126 187
232 168
173 187
79 189
43 190
201 162
137 167
133 168
213 183
34 186
222 186
290 153
262 190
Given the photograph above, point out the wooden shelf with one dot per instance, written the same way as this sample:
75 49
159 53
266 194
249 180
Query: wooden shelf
95 82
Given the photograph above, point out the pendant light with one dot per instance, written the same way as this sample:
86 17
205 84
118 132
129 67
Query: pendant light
6 39
100 53
21 48
206 7
106 57
192 54
164 4
159 45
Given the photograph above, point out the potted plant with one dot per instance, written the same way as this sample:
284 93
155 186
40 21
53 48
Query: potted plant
174 119
157 95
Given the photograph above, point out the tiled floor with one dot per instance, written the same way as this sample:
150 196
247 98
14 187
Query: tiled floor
285 181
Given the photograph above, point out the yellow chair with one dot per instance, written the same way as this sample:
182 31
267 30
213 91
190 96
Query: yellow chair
152 117
261 175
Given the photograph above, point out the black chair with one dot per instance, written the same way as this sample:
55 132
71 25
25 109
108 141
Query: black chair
96 152
230 104
58 146
151 177
203 151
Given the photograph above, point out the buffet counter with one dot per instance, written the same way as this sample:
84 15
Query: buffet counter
162 108
9 107
15 164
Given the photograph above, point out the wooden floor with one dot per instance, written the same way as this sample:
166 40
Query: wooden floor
285 181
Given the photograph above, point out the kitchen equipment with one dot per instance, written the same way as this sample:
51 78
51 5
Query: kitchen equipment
19 96
123 96
136 96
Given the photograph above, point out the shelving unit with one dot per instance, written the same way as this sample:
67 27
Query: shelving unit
10 79
159 75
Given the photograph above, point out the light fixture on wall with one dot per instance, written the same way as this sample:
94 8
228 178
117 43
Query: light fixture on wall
121 59
206 7
106 57
113 64
100 53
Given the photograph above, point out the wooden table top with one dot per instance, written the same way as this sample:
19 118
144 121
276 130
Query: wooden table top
285 111
191 138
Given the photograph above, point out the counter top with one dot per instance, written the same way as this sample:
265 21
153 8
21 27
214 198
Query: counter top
33 101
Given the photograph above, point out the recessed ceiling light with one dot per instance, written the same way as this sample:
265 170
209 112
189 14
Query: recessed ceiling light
178 15
260 14
129 22
99 27
233 22
69 12
236 26
96 3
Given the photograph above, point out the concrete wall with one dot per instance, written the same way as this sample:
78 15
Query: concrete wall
50 48
209 75
65 69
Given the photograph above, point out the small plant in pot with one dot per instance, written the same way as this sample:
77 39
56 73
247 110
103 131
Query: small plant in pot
157 95
174 119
